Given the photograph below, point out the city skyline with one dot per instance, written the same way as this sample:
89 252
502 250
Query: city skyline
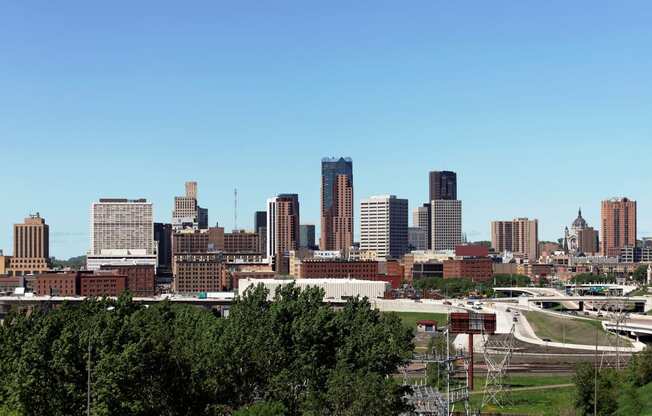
357 201
539 110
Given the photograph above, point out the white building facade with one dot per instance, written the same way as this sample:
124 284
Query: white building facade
122 232
446 224
384 226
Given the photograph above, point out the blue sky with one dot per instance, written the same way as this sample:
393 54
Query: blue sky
540 107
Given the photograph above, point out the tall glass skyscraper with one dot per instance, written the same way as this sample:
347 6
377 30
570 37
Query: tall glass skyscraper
336 204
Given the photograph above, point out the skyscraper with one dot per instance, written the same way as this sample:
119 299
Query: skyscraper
445 223
187 213
282 224
519 236
260 228
260 220
421 217
31 246
618 225
384 226
307 236
163 238
336 204
122 230
443 185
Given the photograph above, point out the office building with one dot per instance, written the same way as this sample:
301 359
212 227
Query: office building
389 271
122 232
5 264
260 228
260 220
336 204
421 217
307 236
240 241
187 213
163 239
57 284
478 269
417 238
199 272
283 232
101 283
618 225
446 224
384 226
519 236
443 185
141 279
31 247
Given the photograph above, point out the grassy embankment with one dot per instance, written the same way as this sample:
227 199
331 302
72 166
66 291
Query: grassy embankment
546 395
571 330
410 318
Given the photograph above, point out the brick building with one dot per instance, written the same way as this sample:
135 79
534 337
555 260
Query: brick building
240 241
102 284
389 271
476 269
618 225
471 250
57 284
198 241
31 247
98 283
141 278
199 272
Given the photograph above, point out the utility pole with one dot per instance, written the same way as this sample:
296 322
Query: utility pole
88 380
595 376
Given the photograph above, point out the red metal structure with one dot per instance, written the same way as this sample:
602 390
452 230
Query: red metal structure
471 323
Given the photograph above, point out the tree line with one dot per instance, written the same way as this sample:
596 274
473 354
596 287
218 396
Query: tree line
293 355
608 392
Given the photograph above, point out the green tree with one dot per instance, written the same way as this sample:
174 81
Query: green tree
262 409
293 353
608 385
640 274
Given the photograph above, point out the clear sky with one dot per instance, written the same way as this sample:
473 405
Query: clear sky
541 107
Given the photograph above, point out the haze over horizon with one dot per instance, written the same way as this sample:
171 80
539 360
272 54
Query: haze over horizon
540 109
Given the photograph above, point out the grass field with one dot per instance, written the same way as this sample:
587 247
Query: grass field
569 330
546 402
517 381
410 318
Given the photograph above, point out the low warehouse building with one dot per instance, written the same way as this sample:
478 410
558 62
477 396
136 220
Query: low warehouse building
334 289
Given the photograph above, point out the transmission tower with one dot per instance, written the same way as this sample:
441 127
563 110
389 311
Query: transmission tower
429 401
498 350
618 315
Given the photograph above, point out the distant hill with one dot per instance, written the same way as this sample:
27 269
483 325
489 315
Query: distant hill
74 263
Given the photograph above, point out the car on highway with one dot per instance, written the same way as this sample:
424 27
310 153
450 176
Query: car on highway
515 319
447 303
546 340
508 310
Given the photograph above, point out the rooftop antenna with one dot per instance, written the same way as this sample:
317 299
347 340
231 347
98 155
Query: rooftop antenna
235 209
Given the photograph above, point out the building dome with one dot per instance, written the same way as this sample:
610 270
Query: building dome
580 223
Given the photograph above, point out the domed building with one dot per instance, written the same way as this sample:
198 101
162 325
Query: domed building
580 239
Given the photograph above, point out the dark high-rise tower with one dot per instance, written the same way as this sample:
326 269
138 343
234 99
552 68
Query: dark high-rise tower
260 220
443 185
336 204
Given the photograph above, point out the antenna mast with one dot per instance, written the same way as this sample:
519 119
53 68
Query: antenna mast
235 209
